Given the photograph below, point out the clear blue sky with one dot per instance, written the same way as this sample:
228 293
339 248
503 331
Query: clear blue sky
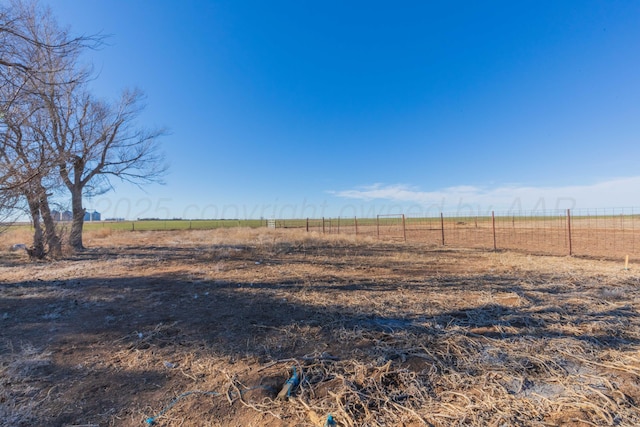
343 108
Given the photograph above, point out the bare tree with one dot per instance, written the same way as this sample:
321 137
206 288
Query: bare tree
36 56
27 30
96 141
27 167
93 140
11 78
85 140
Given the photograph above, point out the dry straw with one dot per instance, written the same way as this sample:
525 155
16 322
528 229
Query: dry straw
381 334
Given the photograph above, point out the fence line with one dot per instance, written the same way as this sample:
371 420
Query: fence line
605 233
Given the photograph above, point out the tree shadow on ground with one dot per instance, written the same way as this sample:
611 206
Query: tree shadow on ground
72 320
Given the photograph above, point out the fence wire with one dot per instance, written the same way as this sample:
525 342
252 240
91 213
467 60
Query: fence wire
599 233
604 233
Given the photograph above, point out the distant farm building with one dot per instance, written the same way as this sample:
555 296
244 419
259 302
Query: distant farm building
66 216
92 216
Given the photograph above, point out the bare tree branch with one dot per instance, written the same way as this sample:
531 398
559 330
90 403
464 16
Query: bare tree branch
53 131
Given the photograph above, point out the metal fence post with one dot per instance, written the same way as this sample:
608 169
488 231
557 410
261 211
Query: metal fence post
493 222
404 229
569 230
378 225
307 225
322 225
355 220
442 226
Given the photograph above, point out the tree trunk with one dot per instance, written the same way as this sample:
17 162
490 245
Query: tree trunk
75 236
51 236
36 251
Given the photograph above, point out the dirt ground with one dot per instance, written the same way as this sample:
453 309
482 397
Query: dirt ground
205 328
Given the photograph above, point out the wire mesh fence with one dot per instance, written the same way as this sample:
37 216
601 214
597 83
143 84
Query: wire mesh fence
606 233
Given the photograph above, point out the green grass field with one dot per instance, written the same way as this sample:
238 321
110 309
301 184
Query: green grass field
302 223
149 225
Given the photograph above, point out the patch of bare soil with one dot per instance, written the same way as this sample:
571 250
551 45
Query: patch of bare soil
206 328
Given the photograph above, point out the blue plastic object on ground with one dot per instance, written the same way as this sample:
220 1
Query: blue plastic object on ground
294 381
330 421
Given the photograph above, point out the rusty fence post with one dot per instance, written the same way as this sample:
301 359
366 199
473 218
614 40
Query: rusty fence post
569 231
404 229
493 222
307 225
323 225
442 226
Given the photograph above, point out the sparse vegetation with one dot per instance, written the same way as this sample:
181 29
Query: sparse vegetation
381 333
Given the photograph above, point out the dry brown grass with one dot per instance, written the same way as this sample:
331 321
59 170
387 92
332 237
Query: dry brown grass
382 334
15 235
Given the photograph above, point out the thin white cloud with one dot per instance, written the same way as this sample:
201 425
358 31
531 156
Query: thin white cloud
618 192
